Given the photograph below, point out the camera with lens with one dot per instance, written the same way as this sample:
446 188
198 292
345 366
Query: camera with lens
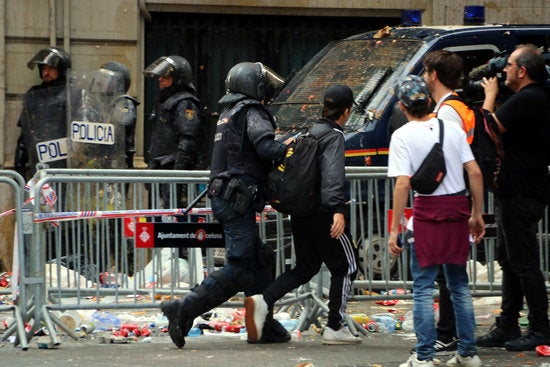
493 68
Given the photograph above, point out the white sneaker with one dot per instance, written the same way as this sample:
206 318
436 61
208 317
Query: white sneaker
342 336
415 362
256 311
464 361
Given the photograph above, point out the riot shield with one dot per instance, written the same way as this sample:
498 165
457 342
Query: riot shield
96 136
43 124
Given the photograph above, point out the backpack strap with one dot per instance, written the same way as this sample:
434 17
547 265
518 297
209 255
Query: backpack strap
440 132
320 129
491 128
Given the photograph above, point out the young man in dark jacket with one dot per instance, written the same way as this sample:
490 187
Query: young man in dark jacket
322 235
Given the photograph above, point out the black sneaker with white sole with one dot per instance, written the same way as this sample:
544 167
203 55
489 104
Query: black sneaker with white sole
442 348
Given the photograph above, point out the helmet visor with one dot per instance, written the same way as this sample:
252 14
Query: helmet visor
48 57
107 82
161 67
273 79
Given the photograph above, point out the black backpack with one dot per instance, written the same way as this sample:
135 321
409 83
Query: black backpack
293 184
486 144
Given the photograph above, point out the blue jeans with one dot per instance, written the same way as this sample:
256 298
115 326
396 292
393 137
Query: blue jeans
423 310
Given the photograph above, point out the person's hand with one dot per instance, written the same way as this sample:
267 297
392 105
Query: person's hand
338 225
290 140
393 246
477 227
490 85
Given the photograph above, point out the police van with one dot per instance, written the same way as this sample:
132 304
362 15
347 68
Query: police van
371 64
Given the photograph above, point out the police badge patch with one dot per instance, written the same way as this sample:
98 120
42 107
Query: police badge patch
190 114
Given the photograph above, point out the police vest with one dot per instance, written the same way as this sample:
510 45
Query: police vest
233 153
164 138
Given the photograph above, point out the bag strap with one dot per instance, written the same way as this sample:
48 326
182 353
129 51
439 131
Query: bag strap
440 131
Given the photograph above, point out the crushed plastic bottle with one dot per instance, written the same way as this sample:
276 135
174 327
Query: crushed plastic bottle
360 318
408 322
161 321
105 320
194 331
371 326
289 324
296 335
386 322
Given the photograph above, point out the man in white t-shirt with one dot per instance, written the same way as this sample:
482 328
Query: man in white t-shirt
442 72
443 221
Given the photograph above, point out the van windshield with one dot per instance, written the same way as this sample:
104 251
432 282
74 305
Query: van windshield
365 65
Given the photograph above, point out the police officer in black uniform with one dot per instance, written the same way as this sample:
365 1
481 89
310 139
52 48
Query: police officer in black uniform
43 119
244 148
177 130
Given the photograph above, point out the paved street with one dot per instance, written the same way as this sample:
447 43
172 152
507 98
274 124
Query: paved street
377 349
230 349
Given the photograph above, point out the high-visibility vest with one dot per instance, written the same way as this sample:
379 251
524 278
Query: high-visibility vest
465 112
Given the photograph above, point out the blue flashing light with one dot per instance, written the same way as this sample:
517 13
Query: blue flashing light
474 15
410 17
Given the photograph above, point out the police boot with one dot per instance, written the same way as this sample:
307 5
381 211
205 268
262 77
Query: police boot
212 292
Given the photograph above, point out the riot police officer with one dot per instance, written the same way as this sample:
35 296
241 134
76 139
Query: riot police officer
43 120
244 147
100 99
176 122
123 109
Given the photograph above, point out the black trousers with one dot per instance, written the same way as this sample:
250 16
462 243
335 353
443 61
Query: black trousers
517 253
314 246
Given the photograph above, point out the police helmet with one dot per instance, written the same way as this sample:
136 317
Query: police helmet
52 56
253 79
107 82
175 66
117 67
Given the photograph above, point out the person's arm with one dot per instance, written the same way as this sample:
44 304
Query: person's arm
475 179
187 124
490 86
332 166
400 196
261 134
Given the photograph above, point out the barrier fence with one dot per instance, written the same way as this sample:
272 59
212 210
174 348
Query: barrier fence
93 238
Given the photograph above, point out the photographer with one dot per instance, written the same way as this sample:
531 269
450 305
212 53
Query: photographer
521 197
493 68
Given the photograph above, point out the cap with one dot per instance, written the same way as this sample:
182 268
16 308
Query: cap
339 97
412 91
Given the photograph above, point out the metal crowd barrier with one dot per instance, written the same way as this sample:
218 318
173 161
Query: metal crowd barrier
384 276
79 256
17 293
